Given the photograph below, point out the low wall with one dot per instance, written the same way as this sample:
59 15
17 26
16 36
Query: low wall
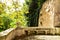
12 33
4 34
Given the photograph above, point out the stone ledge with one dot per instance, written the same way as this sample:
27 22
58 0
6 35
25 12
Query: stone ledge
12 33
5 33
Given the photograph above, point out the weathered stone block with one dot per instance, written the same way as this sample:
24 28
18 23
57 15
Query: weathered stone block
50 14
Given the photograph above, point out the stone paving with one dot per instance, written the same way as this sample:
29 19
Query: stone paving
40 37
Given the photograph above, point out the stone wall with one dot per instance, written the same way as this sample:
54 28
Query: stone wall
20 33
4 34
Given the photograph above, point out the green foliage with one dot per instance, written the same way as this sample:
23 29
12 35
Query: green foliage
13 14
6 22
34 9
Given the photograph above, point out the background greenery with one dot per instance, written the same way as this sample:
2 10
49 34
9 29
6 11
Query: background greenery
19 15
34 10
